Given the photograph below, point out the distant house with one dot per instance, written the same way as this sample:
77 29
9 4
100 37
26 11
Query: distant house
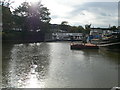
62 36
66 36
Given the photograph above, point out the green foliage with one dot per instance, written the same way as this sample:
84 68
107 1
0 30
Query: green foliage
76 29
64 23
31 16
6 18
6 3
71 29
113 28
87 29
7 21
25 17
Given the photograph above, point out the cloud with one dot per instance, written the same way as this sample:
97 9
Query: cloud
97 13
81 12
105 13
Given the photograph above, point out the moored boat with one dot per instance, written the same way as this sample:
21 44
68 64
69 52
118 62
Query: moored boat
110 46
83 46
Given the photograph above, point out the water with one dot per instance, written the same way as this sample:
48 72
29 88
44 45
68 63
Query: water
54 65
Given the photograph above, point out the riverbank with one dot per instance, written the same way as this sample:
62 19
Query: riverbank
22 37
39 41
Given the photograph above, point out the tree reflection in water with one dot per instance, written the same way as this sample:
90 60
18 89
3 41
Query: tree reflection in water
28 65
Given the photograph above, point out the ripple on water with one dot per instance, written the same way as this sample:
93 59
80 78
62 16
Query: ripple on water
57 66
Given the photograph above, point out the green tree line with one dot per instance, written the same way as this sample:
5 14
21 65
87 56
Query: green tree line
30 21
74 29
27 21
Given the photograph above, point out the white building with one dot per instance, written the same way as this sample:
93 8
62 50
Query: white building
66 36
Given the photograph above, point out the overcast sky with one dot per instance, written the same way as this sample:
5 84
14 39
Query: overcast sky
80 12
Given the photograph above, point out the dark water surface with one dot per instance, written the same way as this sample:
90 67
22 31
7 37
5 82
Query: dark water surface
53 65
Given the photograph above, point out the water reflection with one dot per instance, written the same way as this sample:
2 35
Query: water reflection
110 54
22 61
54 65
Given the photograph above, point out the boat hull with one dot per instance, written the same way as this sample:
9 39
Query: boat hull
81 46
110 46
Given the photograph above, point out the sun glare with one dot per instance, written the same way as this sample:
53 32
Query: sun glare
33 1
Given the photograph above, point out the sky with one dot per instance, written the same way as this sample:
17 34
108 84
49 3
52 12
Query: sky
99 13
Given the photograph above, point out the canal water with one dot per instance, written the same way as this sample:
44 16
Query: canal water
54 65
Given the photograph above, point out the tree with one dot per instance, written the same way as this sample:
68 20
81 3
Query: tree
6 3
87 29
20 15
64 23
113 28
80 29
33 16
64 26
76 29
6 15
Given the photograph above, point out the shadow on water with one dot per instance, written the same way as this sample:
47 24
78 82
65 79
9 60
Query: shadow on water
90 52
110 55
5 61
25 62
107 55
